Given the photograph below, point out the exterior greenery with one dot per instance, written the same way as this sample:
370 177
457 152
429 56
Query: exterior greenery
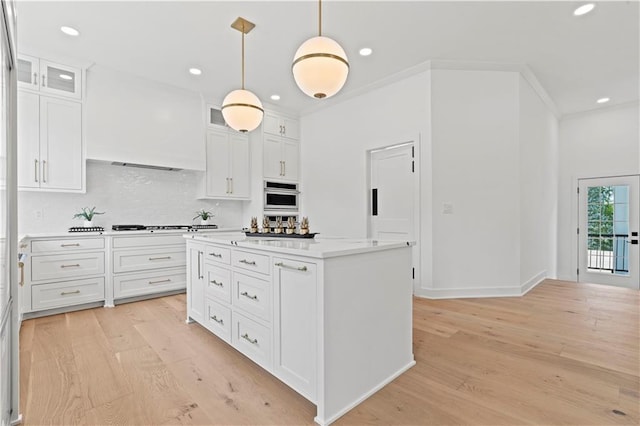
600 209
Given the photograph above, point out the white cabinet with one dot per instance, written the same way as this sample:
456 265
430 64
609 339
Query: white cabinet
49 77
195 282
50 149
281 148
228 175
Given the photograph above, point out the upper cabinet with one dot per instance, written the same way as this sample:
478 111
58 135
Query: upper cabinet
50 149
49 77
274 124
281 147
228 175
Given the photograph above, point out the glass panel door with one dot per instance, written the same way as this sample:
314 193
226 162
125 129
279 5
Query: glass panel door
60 79
608 232
27 72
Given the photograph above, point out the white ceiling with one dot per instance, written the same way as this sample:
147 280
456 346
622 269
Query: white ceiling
576 59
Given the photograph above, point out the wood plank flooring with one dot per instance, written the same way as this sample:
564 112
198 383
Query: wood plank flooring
565 353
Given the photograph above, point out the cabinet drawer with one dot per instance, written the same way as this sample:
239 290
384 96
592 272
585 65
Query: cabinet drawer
252 295
67 293
218 283
218 320
148 283
63 245
251 261
62 266
218 254
252 339
148 240
140 260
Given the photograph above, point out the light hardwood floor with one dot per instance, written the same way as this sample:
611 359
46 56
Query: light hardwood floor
565 353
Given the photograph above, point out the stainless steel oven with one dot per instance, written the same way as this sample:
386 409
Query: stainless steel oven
281 196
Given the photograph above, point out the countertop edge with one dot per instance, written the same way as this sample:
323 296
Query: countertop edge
109 233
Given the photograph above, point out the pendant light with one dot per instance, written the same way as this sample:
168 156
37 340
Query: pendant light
320 66
241 109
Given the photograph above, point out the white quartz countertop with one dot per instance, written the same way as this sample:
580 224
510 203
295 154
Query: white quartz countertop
319 247
122 233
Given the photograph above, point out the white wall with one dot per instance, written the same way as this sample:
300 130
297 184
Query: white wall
131 119
538 187
128 196
604 142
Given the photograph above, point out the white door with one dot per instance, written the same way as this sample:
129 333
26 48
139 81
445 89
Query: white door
272 157
290 155
609 222
28 140
218 163
240 173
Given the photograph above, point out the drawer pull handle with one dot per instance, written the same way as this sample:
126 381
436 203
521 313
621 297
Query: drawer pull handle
64 293
214 282
219 321
70 245
168 280
297 268
160 258
248 262
246 337
215 255
245 294
76 265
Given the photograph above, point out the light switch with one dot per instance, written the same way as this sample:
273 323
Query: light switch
447 208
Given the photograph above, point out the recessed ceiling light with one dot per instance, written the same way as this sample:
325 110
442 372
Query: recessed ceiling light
603 100
365 51
195 71
70 31
275 97
66 77
584 9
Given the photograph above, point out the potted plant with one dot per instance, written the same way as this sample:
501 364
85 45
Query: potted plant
253 228
87 214
278 228
304 226
204 216
291 225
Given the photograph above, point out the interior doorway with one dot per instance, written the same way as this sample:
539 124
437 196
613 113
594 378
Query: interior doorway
394 197
608 226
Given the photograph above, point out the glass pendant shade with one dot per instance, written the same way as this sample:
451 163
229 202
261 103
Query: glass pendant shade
242 110
320 67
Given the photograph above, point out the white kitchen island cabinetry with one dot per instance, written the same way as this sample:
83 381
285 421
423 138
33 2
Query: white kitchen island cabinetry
228 174
330 318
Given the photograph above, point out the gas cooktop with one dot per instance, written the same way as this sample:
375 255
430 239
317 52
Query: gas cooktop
188 228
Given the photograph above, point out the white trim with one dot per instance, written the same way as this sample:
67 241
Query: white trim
533 81
358 401
533 282
17 421
599 109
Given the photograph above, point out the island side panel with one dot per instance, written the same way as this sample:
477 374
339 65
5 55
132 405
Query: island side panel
366 327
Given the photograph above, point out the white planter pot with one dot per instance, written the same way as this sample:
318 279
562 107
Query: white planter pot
204 222
88 223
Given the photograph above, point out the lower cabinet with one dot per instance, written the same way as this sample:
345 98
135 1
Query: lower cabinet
66 293
262 305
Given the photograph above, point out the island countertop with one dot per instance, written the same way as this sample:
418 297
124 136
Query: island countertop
319 247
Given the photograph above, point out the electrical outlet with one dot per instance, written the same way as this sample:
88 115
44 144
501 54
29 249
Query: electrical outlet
447 208
37 214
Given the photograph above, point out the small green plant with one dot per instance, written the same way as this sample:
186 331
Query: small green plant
87 213
203 214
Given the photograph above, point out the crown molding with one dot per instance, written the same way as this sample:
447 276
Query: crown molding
600 109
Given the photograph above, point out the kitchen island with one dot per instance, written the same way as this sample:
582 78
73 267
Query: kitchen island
331 318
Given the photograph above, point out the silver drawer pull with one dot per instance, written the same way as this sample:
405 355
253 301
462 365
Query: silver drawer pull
168 280
64 293
160 258
245 294
219 321
214 282
248 262
77 265
297 268
215 255
70 245
246 337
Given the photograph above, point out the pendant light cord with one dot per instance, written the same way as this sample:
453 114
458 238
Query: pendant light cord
319 18
242 56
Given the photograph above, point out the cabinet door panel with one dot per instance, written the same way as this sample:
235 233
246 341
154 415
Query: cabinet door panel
271 124
28 72
218 164
295 325
28 140
240 173
290 155
195 282
60 144
60 79
272 157
291 128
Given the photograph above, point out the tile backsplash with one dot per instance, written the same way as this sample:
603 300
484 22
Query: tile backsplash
127 195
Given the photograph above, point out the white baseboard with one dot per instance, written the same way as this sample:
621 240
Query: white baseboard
478 292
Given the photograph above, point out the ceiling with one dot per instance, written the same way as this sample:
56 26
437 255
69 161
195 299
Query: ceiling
576 59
